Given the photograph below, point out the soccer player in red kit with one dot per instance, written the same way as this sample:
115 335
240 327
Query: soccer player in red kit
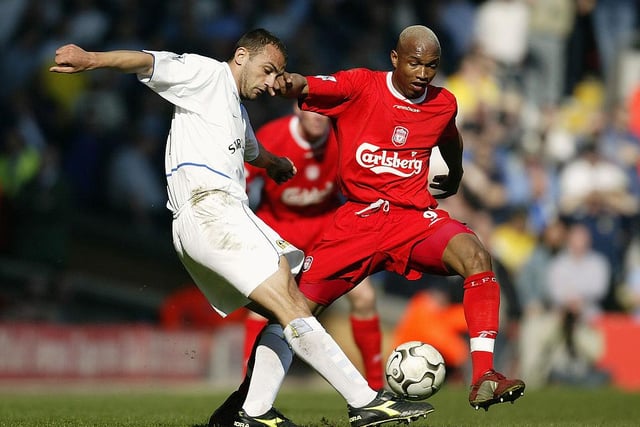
387 123
301 209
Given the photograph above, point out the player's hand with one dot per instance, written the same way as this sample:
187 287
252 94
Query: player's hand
71 59
281 170
282 85
447 185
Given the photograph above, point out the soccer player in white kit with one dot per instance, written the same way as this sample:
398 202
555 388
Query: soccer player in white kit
236 259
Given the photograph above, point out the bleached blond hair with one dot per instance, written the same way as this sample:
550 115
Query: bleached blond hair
419 32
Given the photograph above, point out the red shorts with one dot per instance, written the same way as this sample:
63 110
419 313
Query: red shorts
356 246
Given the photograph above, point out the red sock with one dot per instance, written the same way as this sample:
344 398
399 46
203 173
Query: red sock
252 327
481 304
368 338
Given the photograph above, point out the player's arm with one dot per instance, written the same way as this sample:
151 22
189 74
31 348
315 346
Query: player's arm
73 59
451 150
280 169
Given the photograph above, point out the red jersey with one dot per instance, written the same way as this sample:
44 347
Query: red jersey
385 140
298 208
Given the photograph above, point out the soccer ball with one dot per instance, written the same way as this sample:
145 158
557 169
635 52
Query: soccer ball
415 370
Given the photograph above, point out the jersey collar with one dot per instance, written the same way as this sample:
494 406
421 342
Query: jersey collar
232 80
400 96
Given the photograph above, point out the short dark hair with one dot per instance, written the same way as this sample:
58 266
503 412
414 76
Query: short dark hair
256 40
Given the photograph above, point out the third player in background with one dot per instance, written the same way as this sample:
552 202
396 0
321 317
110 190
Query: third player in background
299 211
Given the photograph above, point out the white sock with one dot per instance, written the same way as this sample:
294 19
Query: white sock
313 344
273 359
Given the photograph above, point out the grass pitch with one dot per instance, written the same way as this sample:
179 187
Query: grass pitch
100 407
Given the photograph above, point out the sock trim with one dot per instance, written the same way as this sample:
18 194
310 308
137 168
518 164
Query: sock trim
482 344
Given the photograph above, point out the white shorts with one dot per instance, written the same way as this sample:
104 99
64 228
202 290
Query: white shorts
227 249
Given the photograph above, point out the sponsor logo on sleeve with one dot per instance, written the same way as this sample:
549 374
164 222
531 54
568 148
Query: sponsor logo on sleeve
326 78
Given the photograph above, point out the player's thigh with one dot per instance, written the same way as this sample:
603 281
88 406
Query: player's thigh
436 251
224 244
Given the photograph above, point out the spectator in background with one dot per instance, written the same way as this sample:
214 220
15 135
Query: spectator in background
581 50
512 242
84 162
41 216
501 32
19 161
614 27
477 89
103 103
484 184
11 13
22 51
286 16
134 187
457 19
620 145
538 326
551 22
578 281
540 189
89 22
227 24
595 192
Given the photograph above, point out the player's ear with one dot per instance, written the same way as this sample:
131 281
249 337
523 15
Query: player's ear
394 58
241 55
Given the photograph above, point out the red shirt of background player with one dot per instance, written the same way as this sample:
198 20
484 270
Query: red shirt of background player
298 208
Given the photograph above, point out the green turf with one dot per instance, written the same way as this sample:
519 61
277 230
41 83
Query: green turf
549 407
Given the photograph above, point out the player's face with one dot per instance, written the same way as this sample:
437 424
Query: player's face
314 125
415 65
259 72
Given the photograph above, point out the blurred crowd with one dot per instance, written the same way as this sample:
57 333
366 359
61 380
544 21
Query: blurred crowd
549 106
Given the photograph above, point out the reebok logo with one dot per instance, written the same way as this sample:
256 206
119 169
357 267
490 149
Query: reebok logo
407 108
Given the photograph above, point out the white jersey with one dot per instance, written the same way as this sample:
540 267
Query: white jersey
214 232
210 136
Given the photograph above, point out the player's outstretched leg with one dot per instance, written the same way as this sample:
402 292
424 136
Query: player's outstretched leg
388 407
225 414
230 413
493 387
